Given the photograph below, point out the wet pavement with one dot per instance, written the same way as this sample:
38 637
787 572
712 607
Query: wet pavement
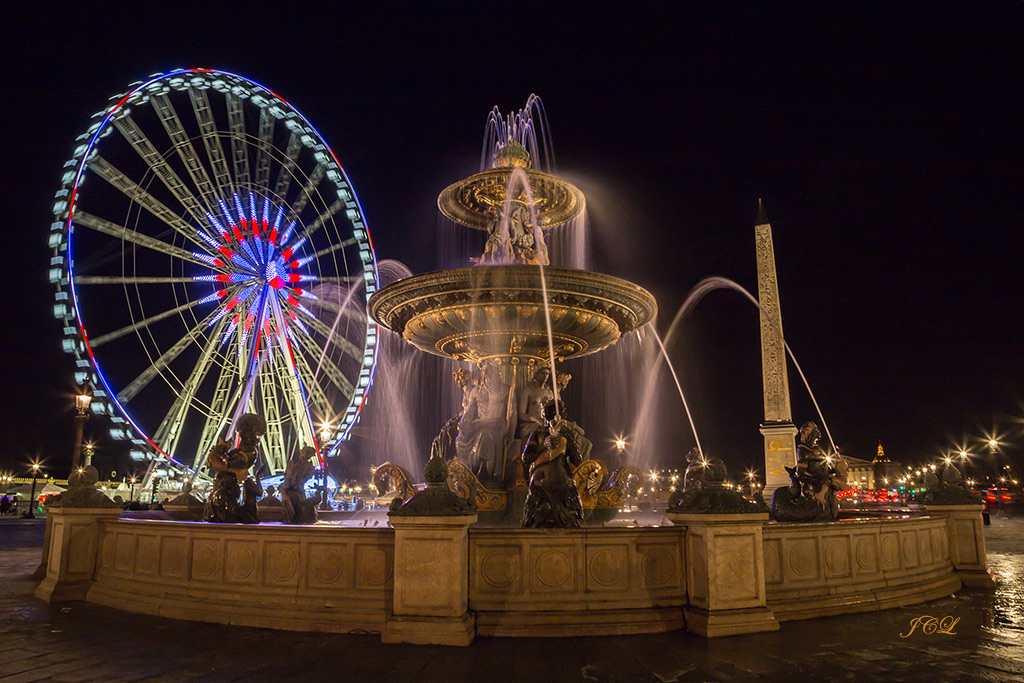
83 642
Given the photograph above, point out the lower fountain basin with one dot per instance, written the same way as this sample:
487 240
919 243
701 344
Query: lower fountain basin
497 312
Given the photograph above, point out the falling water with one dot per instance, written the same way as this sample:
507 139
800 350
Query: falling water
699 291
519 178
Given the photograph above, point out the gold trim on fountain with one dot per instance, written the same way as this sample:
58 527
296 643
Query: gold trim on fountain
476 201
497 312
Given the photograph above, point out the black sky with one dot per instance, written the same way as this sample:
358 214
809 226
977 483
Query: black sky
884 138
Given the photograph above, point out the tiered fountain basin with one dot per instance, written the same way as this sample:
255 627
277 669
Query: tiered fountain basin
713 574
498 313
476 200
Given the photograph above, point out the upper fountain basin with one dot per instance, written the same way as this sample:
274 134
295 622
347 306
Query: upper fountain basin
477 200
496 312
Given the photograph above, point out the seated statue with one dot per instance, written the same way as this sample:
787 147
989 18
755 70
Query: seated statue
298 509
553 501
484 426
231 475
811 494
704 489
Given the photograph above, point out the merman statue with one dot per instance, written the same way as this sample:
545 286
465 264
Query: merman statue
811 494
231 475
553 500
298 509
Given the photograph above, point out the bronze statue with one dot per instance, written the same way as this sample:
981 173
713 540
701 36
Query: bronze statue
231 468
704 490
530 402
298 509
484 426
553 501
811 494
444 443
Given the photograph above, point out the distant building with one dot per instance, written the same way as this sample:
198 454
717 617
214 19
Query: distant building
885 469
862 473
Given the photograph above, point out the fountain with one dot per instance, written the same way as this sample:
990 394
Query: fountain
513 316
434 575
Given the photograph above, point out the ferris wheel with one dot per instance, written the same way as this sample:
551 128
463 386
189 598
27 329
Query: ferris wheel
211 258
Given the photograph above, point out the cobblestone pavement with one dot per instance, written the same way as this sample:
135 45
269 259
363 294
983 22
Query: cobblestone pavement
83 642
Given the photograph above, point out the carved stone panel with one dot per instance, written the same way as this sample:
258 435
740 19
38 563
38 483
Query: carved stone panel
608 567
240 563
374 567
865 554
173 552
147 555
329 565
837 557
660 566
890 556
207 559
80 560
552 568
801 559
281 563
908 546
499 569
124 552
772 560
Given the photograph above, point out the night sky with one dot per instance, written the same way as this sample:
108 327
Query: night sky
886 143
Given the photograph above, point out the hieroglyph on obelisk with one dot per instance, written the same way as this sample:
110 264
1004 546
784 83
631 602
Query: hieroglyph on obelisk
778 429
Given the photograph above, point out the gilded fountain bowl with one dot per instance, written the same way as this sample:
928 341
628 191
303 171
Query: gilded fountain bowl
497 312
476 201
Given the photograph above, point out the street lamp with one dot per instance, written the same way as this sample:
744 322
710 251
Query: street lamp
31 512
82 402
325 434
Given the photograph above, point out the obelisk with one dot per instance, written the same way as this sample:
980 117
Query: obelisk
778 429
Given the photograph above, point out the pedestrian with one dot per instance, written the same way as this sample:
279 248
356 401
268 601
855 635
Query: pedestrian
5 505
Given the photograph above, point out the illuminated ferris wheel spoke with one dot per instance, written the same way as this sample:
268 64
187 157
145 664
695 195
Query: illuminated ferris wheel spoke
169 431
129 280
336 339
274 451
291 158
263 149
333 248
114 230
97 342
322 220
219 411
327 367
308 190
186 152
239 155
218 271
158 366
134 135
317 397
211 141
134 192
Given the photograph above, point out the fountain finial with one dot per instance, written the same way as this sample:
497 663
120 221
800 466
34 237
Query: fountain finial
512 154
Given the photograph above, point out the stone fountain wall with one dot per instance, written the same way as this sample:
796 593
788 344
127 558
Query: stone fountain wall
715 576
816 570
313 578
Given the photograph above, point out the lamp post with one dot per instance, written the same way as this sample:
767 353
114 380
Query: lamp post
325 434
131 494
82 402
993 449
31 512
